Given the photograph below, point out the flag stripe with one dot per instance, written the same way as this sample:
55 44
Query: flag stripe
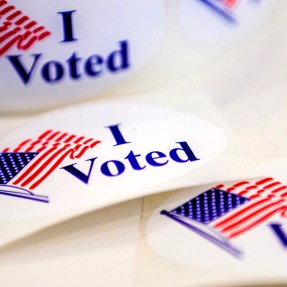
79 139
34 165
3 2
262 194
18 148
43 165
6 10
264 181
12 30
43 135
52 135
30 25
54 147
250 216
272 184
14 15
260 220
21 20
242 211
50 170
277 190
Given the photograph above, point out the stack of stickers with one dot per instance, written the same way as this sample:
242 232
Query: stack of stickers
214 196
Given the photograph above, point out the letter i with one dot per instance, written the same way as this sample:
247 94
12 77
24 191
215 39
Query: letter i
117 135
68 26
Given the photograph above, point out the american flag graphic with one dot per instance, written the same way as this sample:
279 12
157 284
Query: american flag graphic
17 29
27 165
226 212
224 8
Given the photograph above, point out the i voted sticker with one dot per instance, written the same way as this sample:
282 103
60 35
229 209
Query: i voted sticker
68 50
220 22
238 228
95 155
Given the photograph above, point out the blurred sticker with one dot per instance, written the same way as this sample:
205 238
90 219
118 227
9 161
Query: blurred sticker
69 50
237 227
219 22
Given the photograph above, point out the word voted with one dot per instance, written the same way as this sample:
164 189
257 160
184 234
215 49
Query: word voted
180 154
74 67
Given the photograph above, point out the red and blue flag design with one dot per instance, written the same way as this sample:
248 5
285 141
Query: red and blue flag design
23 168
17 29
226 212
224 8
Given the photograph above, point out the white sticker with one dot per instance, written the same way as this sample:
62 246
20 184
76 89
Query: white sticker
219 22
69 50
239 228
98 154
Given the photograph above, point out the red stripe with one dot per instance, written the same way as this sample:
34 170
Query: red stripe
79 139
7 23
5 149
69 138
262 219
53 135
94 143
220 186
254 196
242 211
43 135
3 2
30 24
29 43
251 187
237 185
21 145
88 140
50 170
6 10
32 145
259 192
8 45
230 3
38 29
241 183
250 216
14 15
61 137
9 34
284 194
21 20
264 180
272 185
82 151
44 35
30 169
43 147
43 166
45 144
3 28
247 189
279 189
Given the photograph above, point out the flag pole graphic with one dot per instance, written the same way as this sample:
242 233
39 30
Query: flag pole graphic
219 240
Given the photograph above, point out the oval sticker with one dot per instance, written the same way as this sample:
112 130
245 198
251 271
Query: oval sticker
236 228
217 23
68 50
84 158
